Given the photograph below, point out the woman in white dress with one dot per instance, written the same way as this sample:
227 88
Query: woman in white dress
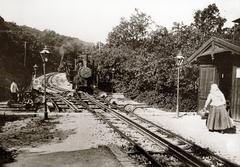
218 118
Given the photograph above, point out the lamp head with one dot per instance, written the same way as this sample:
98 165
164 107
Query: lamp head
179 58
35 67
44 54
45 50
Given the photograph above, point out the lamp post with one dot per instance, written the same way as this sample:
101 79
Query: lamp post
44 54
34 75
113 72
179 61
35 71
97 75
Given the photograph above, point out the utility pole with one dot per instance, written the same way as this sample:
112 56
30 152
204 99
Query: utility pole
99 47
62 56
25 53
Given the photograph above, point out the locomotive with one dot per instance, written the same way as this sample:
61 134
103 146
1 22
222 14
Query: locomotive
81 73
85 75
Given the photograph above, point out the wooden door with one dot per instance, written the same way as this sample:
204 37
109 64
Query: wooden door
235 101
206 78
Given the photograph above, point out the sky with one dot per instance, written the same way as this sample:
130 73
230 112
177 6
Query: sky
92 20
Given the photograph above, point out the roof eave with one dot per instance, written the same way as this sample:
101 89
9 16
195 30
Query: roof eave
220 42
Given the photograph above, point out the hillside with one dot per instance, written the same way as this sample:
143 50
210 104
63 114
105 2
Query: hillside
19 51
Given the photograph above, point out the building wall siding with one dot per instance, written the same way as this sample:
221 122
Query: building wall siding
235 105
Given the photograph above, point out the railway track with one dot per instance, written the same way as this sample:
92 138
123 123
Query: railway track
194 149
186 152
159 146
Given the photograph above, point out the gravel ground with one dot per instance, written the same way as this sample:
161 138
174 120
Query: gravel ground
87 132
30 131
75 139
95 157
193 128
72 139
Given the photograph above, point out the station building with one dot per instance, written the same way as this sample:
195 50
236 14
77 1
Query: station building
219 62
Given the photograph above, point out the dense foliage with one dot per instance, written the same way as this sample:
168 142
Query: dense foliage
141 52
19 51
143 55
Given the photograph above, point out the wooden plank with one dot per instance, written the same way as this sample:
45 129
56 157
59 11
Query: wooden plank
238 100
12 105
207 77
11 109
233 102
235 106
17 110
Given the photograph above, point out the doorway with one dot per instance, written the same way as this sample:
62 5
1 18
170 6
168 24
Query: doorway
225 83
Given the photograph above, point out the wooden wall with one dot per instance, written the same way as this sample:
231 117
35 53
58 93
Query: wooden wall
235 100
207 77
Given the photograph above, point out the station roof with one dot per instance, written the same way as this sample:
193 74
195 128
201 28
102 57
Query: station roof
236 21
213 46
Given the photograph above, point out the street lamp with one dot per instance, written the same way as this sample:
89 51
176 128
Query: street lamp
34 75
98 75
43 55
113 72
35 71
179 61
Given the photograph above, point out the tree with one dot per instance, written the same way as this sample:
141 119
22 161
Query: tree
12 51
208 21
131 33
144 57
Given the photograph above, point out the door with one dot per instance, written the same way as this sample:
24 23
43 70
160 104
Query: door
206 78
235 101
225 83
